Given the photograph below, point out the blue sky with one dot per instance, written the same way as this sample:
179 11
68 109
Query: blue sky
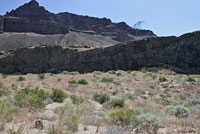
163 17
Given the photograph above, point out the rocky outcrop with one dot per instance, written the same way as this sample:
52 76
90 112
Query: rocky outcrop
104 26
180 54
1 23
34 18
15 24
32 11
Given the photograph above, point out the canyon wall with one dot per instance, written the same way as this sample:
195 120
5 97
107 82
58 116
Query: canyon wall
1 23
179 54
15 24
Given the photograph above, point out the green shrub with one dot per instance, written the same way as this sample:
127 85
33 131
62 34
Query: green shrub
129 81
1 92
145 115
177 111
182 97
112 72
1 85
130 97
190 79
41 76
4 76
143 70
153 76
59 80
196 109
139 111
21 78
140 91
192 102
108 79
114 92
30 98
70 73
82 82
40 93
150 118
77 99
129 71
14 87
134 74
58 95
117 103
25 91
31 101
101 98
162 79
4 92
136 117
72 82
152 93
167 101
122 116
7 112
118 73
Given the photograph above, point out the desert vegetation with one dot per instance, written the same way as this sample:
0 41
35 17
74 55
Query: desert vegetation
100 102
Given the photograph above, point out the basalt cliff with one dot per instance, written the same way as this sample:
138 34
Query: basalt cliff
34 40
180 54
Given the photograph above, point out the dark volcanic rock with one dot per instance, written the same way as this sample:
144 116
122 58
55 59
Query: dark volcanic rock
32 11
15 24
1 23
33 16
180 54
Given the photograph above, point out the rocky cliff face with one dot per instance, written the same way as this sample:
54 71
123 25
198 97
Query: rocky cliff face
180 54
33 16
15 24
32 11
1 24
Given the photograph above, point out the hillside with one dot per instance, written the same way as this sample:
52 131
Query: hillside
31 17
11 41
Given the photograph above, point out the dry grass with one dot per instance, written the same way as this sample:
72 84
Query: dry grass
133 87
